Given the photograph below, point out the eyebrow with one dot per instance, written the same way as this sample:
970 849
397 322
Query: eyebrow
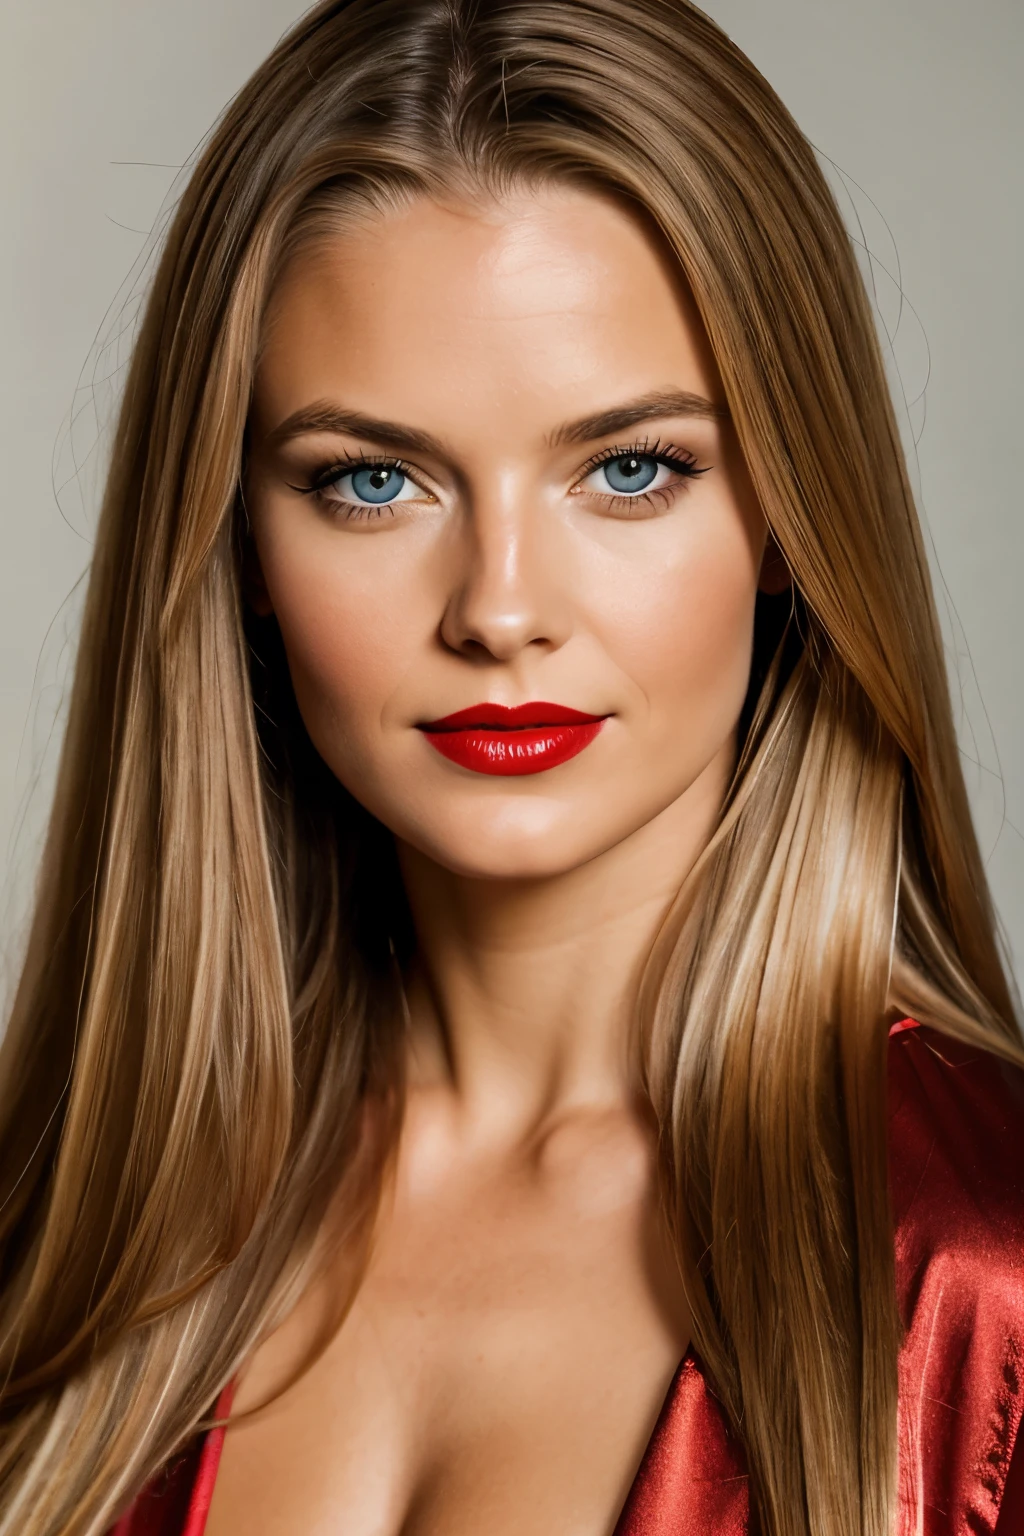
652 407
324 416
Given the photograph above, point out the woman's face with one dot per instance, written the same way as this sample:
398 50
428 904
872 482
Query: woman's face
491 468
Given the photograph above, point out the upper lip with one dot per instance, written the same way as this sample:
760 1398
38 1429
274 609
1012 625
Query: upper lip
517 717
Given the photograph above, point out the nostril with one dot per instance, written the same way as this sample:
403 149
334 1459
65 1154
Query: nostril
471 630
476 650
506 597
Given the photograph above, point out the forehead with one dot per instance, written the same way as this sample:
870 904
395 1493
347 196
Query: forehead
544 300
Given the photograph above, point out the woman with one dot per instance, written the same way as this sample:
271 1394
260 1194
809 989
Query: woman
511 921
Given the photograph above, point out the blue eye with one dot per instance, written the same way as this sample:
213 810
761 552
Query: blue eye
630 474
638 474
376 483
365 485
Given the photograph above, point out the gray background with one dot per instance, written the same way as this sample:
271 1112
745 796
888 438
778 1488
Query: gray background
919 105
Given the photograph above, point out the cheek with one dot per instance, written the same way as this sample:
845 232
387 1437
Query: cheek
681 629
351 619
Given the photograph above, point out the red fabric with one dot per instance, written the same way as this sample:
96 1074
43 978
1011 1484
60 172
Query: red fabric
956 1170
957 1176
693 1476
178 1502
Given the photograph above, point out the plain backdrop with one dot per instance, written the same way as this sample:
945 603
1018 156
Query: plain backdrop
918 107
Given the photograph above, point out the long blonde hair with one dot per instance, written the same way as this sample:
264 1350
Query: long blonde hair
204 1043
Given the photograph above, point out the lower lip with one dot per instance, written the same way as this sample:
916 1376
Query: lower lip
513 752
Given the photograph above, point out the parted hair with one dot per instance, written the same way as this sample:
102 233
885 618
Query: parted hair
204 1057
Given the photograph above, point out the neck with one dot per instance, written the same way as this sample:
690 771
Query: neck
524 996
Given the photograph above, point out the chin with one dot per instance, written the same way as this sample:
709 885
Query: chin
535 840
512 864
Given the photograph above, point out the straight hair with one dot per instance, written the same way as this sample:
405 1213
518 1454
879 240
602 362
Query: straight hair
205 1052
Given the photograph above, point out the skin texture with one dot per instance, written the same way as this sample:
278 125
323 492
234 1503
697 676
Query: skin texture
520 1319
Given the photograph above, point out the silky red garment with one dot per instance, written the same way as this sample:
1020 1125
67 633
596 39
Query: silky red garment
956 1172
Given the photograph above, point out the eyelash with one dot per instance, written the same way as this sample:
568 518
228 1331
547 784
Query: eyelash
681 463
350 511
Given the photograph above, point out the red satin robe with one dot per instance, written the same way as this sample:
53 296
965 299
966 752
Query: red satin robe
956 1170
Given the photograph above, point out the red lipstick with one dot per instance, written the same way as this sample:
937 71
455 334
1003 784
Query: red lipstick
491 738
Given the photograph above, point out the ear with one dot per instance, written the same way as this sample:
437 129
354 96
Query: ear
254 586
775 575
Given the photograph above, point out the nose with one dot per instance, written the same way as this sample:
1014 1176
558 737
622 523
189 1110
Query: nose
508 597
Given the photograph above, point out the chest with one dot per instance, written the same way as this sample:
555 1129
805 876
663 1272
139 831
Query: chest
501 1369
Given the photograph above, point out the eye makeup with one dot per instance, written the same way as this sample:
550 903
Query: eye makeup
631 473
630 480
